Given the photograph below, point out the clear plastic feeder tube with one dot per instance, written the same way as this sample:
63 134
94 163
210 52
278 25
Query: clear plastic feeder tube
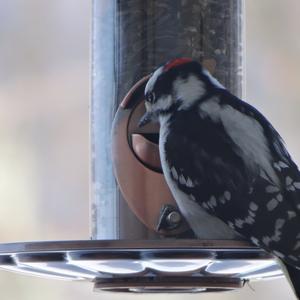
130 39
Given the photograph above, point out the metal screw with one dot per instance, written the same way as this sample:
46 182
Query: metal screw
174 218
169 218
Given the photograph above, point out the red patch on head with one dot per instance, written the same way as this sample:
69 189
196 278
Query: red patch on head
176 62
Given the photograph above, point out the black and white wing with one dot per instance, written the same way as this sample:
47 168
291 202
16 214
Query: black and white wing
234 164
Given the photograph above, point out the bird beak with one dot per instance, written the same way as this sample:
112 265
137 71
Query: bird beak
145 119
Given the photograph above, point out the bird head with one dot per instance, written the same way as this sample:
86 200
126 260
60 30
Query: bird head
176 85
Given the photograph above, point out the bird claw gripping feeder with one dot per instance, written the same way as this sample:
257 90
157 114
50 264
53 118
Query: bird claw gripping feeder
140 241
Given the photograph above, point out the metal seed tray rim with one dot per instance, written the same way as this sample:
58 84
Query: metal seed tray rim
113 264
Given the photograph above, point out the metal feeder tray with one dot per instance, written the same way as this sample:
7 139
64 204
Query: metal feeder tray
144 266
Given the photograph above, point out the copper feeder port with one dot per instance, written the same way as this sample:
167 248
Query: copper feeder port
146 151
137 164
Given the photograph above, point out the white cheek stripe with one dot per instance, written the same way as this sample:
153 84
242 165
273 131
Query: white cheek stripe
188 90
163 103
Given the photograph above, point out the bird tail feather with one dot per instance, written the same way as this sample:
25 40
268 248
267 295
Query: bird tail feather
293 276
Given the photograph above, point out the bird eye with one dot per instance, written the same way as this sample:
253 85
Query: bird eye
150 97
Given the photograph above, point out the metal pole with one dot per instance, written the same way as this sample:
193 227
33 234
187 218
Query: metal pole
130 39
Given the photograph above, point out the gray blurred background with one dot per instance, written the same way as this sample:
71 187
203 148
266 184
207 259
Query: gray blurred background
44 130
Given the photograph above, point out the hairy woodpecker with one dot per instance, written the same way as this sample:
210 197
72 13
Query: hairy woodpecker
227 167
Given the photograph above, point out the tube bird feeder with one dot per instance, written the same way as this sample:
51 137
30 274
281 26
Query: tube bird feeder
140 242
130 39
